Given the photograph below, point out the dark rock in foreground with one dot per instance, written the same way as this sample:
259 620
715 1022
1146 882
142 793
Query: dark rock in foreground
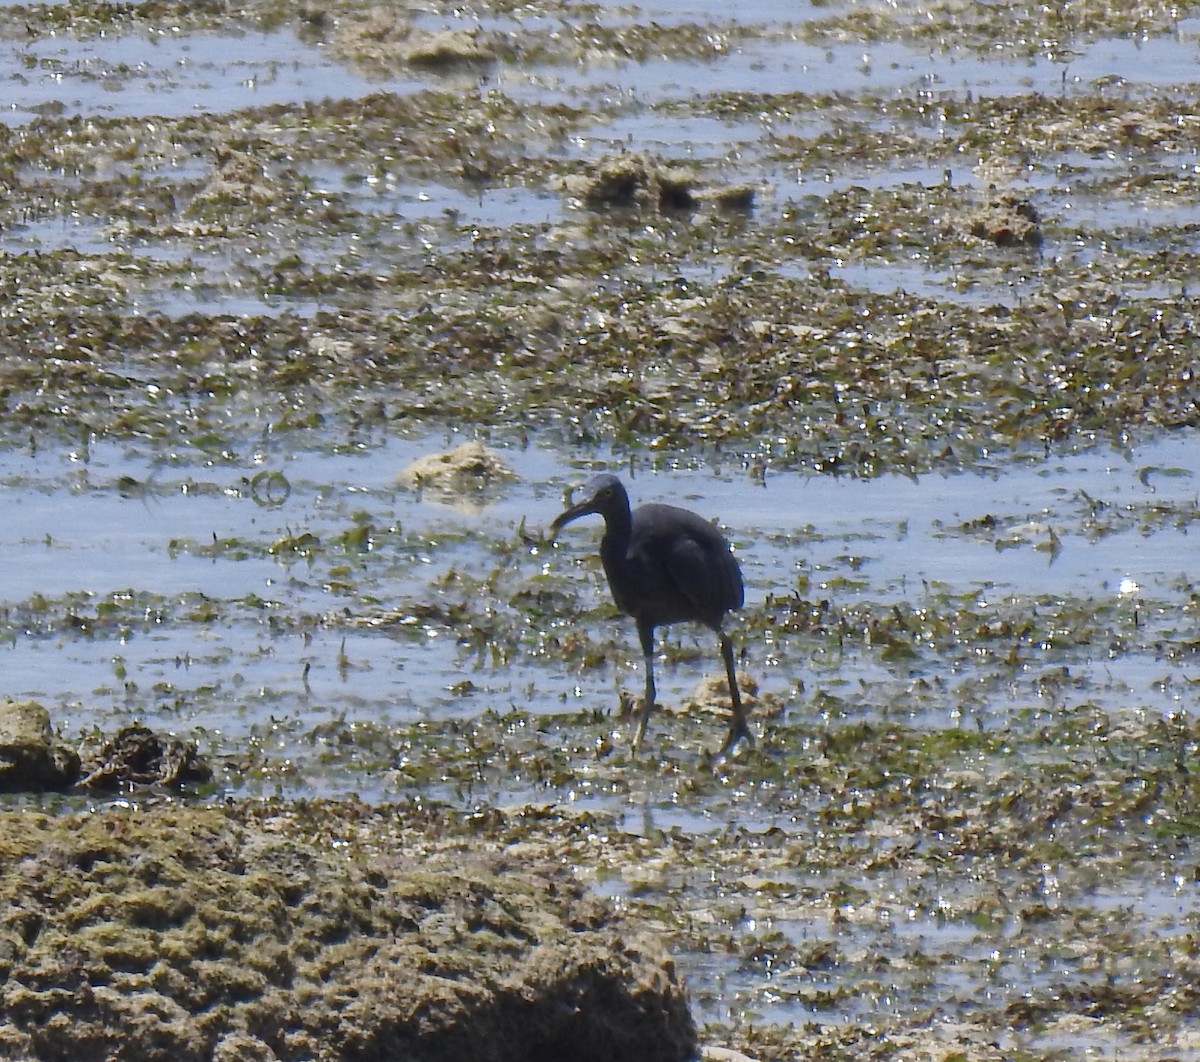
30 758
314 932
33 760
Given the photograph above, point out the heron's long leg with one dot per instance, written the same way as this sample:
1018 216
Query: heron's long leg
646 634
738 728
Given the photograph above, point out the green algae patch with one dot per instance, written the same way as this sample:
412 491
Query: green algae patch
313 932
778 349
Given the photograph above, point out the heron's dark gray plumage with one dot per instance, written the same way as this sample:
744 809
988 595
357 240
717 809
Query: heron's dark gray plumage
665 565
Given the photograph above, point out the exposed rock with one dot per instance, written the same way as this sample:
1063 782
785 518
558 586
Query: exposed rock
469 467
618 180
1007 220
30 758
632 180
723 1054
289 932
380 35
730 196
447 48
712 693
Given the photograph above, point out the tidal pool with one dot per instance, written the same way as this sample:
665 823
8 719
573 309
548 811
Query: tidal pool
168 73
107 556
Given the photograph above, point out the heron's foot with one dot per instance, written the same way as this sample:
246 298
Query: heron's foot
643 721
739 731
626 704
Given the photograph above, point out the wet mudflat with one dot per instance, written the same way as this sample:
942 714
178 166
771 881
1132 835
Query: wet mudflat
903 295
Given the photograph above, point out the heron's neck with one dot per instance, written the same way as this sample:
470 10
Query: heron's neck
618 526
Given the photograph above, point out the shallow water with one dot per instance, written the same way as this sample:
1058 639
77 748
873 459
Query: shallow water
104 524
168 584
173 73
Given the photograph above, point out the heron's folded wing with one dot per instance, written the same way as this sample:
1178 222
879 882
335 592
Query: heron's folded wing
707 574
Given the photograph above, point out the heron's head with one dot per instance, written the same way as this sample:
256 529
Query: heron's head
603 495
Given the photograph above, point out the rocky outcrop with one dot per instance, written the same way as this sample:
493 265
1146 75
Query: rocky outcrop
30 757
288 932
33 759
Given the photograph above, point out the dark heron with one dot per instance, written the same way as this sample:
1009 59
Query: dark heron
665 565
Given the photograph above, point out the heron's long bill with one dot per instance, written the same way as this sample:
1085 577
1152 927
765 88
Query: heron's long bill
583 508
